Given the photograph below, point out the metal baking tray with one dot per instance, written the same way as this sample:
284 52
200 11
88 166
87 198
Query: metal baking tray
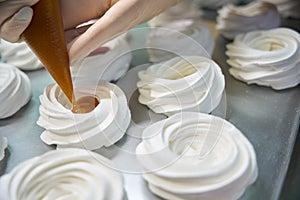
268 118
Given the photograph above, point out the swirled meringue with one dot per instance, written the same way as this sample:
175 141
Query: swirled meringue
269 58
3 145
233 20
109 66
214 4
287 8
103 126
179 38
196 156
63 174
191 83
184 10
19 55
15 90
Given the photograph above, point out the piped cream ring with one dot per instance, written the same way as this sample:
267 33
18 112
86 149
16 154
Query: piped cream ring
103 126
233 20
191 83
19 55
15 90
269 58
63 174
196 156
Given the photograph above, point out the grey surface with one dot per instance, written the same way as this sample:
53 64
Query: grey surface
268 118
290 188
21 130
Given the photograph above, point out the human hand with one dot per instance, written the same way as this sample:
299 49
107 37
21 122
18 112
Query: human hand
114 17
14 18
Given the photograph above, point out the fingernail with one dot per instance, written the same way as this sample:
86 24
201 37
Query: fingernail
101 50
24 14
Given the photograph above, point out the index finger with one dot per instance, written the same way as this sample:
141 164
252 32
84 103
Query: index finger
122 16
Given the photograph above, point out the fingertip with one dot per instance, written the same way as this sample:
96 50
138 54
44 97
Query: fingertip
100 50
24 14
13 28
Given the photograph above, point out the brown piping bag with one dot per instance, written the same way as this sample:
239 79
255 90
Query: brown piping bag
45 36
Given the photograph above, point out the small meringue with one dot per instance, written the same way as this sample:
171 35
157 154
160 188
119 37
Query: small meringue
184 10
233 20
287 8
19 55
15 90
191 83
103 126
193 156
179 38
109 66
269 58
75 174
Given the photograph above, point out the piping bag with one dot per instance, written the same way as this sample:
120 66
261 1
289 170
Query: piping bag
45 36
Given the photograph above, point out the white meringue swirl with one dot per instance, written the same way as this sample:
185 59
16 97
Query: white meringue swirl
191 83
19 55
109 66
103 126
196 156
179 38
15 90
3 146
75 174
269 58
287 8
233 20
184 10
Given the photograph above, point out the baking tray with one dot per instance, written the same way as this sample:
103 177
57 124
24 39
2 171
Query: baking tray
268 118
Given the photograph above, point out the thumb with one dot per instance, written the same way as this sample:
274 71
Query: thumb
12 28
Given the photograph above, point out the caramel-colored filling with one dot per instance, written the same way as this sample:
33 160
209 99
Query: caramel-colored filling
85 104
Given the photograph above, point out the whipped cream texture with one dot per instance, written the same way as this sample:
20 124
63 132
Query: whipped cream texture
19 55
15 90
191 83
103 126
233 20
3 146
179 38
269 58
196 156
63 174
109 66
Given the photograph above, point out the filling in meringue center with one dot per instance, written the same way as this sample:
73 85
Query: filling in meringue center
85 104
